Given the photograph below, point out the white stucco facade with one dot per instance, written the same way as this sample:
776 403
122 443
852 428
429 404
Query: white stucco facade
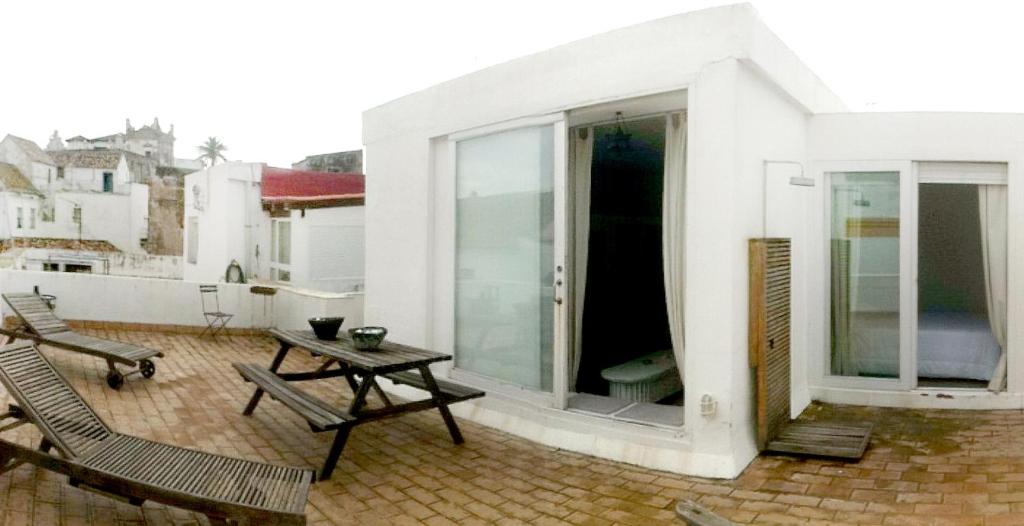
32 165
224 201
747 98
749 102
14 204
117 213
327 248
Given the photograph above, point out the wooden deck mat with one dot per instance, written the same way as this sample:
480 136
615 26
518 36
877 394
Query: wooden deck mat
822 439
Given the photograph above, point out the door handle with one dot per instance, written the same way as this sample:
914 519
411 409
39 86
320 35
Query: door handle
558 301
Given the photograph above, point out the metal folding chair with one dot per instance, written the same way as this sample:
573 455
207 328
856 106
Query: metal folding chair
216 320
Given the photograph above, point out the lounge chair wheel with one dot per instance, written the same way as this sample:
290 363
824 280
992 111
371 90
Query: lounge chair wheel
115 380
147 368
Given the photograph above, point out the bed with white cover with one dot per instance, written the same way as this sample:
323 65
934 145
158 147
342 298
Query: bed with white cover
949 345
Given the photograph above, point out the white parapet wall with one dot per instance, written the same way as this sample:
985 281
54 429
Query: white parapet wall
133 300
112 263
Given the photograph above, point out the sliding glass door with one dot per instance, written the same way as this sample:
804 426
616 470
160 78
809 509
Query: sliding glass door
507 262
870 223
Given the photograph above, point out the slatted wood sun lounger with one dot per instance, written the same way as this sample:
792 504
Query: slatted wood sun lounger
40 324
98 459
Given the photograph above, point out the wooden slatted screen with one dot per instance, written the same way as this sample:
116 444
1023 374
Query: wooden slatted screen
769 333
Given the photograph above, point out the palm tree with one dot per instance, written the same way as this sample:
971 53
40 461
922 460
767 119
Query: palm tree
212 150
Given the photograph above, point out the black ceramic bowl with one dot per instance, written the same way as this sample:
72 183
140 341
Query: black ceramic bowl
326 328
367 338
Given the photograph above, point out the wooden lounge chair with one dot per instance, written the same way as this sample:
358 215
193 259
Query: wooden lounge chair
40 324
98 459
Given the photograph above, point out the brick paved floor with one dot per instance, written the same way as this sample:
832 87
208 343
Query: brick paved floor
924 467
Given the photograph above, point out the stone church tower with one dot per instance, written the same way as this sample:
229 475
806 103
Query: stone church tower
150 141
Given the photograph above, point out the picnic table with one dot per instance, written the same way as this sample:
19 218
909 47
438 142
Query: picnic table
399 363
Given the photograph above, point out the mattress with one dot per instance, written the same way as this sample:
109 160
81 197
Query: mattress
949 345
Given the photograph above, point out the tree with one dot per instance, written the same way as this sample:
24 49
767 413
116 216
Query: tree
212 150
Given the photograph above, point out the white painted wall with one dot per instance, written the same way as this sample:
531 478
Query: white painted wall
231 222
188 164
91 179
112 263
748 97
766 125
176 302
9 204
42 175
12 153
328 248
121 219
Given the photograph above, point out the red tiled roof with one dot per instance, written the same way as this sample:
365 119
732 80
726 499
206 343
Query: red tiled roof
281 185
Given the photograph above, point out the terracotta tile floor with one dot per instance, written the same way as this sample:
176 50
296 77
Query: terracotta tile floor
924 467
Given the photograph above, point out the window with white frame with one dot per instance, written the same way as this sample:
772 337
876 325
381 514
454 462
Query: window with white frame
20 218
280 250
32 218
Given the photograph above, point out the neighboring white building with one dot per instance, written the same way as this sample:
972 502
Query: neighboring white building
149 141
107 171
299 228
190 165
494 216
76 195
30 159
20 202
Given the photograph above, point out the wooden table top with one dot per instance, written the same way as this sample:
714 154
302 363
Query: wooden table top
389 357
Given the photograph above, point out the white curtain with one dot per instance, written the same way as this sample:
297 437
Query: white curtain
673 229
582 154
992 212
844 283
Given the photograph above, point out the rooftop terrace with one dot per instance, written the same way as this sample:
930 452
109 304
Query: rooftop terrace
924 467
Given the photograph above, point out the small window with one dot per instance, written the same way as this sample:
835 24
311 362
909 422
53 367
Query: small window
280 250
20 217
284 242
83 269
32 218
193 240
76 215
51 267
108 182
60 172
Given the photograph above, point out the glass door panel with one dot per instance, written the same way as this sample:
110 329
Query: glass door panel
505 232
865 274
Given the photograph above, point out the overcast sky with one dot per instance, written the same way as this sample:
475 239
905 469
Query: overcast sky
276 81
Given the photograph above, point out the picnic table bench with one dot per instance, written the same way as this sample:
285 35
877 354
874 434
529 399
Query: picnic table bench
401 364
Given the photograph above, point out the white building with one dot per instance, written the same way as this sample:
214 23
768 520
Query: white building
627 172
149 141
20 202
30 159
76 195
297 228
